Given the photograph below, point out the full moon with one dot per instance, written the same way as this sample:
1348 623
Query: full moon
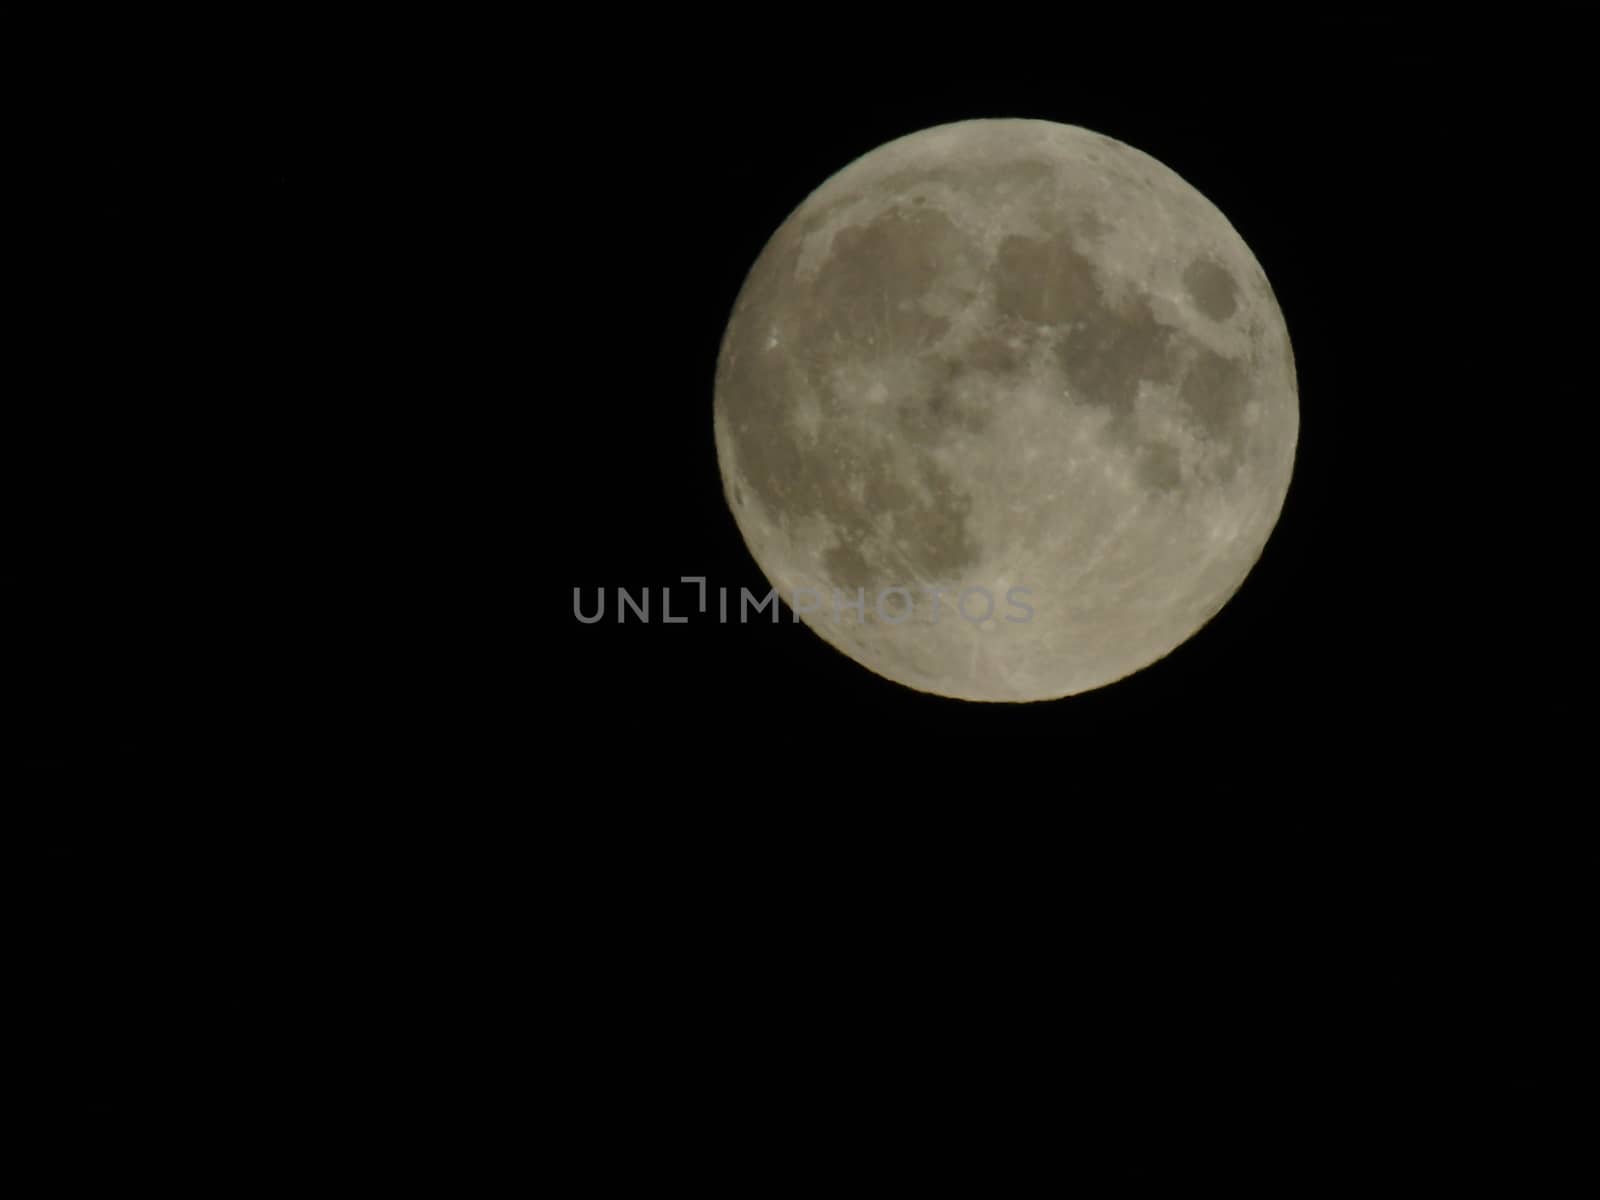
1006 410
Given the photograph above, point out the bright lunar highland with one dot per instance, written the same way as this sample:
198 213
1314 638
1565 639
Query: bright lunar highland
1006 410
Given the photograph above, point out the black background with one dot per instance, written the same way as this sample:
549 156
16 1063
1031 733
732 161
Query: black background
348 383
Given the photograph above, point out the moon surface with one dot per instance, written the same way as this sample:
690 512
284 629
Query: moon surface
1006 410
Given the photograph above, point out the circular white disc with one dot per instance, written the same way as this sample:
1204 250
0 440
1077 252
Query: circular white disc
1009 407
